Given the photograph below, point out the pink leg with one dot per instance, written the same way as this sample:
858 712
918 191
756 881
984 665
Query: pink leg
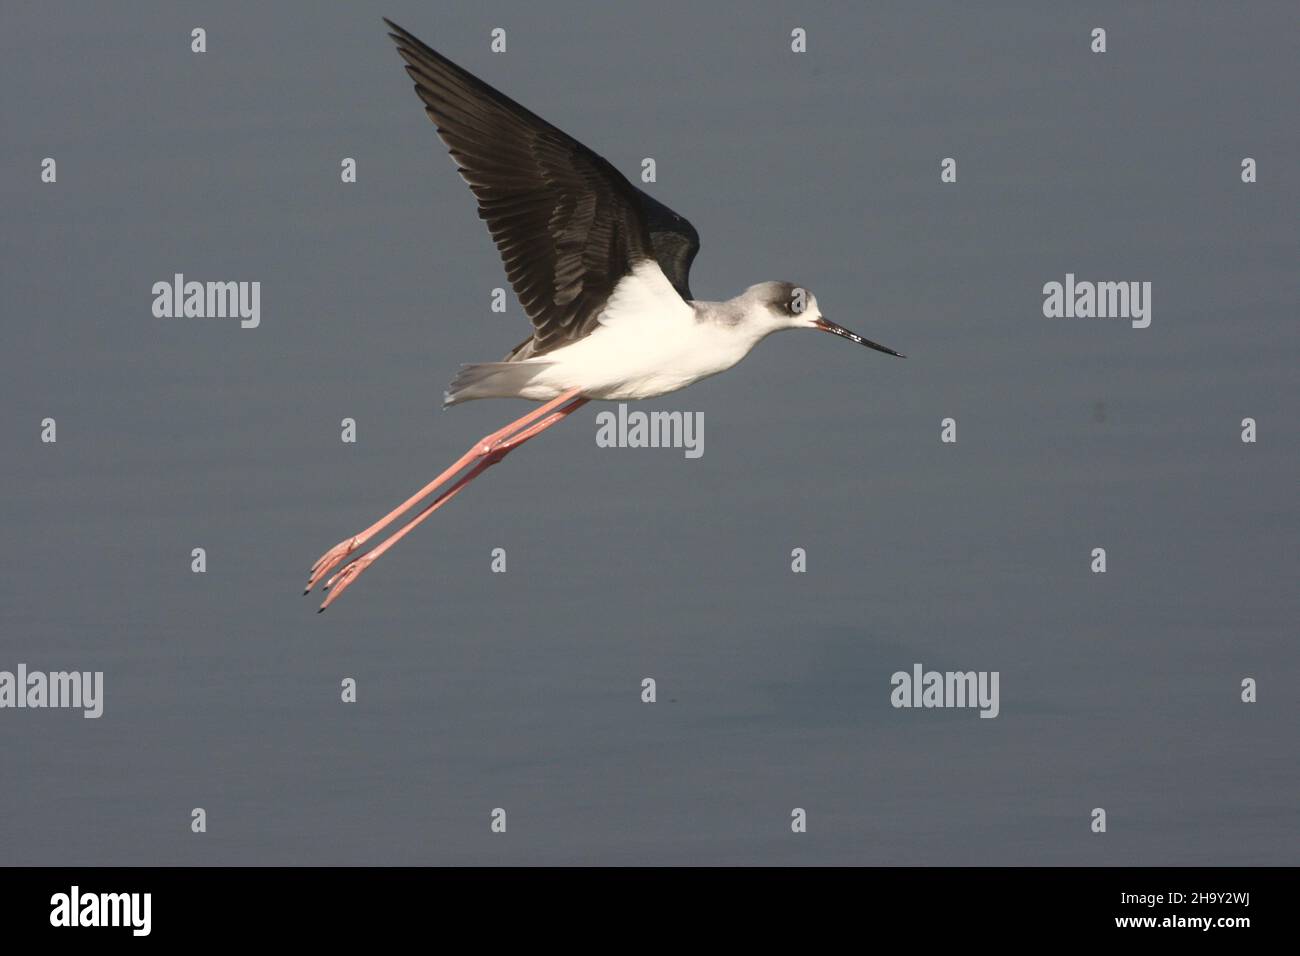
498 449
331 558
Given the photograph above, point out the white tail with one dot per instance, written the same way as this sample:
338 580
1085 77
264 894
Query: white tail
491 380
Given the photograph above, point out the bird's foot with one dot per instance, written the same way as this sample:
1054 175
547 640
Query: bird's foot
330 560
338 583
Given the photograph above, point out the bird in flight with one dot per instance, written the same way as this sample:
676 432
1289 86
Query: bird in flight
601 268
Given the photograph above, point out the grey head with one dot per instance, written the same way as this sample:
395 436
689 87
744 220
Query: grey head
786 305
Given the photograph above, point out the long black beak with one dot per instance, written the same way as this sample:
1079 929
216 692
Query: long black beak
826 325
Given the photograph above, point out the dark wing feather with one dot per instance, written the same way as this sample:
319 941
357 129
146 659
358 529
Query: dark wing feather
568 225
674 240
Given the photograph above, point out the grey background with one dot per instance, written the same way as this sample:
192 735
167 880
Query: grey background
521 690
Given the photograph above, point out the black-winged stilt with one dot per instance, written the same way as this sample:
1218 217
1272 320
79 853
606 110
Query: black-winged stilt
600 268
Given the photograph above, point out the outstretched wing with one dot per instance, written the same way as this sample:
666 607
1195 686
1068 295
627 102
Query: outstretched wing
568 225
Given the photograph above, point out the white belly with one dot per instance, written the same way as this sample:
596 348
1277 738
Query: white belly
649 343
626 362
